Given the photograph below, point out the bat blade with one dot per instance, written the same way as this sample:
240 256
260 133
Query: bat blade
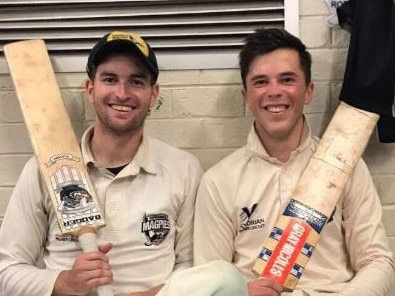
296 233
54 142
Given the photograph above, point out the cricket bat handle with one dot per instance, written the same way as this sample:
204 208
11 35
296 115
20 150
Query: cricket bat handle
88 243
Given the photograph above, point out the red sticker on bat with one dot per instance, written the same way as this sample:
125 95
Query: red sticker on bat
287 251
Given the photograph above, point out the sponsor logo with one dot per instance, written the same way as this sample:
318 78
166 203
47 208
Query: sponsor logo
246 220
81 221
155 227
73 198
299 210
288 249
66 238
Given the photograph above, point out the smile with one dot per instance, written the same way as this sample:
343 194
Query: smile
276 108
122 108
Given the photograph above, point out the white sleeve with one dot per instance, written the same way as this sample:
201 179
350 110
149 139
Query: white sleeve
184 224
22 237
367 243
366 238
214 231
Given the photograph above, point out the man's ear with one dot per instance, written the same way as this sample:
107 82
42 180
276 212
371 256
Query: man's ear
309 93
243 92
154 94
89 90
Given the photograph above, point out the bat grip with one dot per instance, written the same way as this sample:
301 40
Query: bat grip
88 243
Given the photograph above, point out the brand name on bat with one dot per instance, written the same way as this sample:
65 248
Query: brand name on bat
78 221
287 250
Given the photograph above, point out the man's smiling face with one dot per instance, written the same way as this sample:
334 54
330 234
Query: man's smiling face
276 93
122 94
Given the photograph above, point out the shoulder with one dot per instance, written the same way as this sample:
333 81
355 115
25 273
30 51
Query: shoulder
168 155
361 175
229 167
30 168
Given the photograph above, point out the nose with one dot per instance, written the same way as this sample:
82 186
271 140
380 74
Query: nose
273 89
122 91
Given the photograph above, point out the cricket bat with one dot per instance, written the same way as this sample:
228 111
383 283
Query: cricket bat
297 230
54 143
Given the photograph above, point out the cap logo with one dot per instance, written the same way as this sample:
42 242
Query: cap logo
136 39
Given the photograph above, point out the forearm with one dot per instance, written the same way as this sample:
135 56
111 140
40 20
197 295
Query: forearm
17 279
372 280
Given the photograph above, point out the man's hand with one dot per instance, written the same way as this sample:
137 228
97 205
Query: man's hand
150 292
264 287
89 270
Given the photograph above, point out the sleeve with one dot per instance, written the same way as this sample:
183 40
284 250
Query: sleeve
184 224
366 240
365 236
214 231
22 237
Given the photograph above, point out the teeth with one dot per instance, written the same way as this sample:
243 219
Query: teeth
122 108
276 109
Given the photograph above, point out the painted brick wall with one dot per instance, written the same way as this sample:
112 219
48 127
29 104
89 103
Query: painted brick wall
203 111
329 49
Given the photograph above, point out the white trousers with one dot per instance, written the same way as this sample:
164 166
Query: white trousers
217 278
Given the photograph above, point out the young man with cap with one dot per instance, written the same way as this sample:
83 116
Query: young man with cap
145 187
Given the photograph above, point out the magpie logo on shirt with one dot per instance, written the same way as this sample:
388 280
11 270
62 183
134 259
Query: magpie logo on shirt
155 227
247 221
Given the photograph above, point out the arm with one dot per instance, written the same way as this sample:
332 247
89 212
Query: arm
184 226
365 237
22 238
90 269
214 231
367 245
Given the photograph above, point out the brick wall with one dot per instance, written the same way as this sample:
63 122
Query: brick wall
203 111
329 49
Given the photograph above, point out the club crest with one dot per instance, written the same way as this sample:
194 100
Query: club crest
155 227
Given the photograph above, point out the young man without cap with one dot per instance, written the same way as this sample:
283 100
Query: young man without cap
240 198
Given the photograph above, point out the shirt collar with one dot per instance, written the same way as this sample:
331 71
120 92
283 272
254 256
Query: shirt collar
254 145
145 157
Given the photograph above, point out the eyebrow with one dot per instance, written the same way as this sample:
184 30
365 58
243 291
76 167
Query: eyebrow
263 76
136 75
289 73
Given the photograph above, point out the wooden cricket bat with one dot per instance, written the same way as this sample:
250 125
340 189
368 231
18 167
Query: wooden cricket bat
296 233
54 143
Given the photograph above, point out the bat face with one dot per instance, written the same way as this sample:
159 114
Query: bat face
290 244
296 233
53 139
75 203
55 145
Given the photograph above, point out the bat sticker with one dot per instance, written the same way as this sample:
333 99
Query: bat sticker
294 238
74 201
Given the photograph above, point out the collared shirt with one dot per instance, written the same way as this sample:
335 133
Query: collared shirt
240 199
147 207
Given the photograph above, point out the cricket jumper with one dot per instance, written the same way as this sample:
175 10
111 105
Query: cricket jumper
240 199
148 208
